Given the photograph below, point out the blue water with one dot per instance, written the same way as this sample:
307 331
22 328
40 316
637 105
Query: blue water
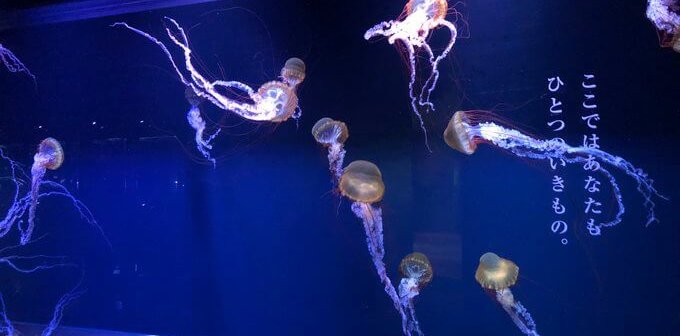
262 245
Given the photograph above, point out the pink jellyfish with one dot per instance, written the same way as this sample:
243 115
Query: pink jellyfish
664 15
275 101
413 29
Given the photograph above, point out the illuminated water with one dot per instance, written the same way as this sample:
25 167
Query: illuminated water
263 245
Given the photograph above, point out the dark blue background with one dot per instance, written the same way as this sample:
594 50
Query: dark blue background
263 246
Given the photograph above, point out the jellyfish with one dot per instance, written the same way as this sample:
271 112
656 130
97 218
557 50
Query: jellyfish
416 271
49 156
498 274
12 63
275 101
665 16
361 182
332 134
204 145
413 29
468 129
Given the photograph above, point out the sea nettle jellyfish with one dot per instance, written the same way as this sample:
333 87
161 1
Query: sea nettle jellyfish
274 101
50 156
332 134
412 28
664 15
466 130
497 274
416 273
361 182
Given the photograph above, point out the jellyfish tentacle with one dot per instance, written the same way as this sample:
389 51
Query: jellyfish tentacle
523 145
336 157
198 124
431 82
519 315
13 63
408 290
371 218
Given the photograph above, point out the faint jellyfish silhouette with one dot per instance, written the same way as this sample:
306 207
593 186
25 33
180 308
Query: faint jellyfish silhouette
665 16
468 129
413 29
274 101
332 134
361 182
498 274
12 63
416 273
204 145
50 155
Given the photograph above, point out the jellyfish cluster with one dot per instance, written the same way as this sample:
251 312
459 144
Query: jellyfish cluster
412 29
665 15
497 274
466 130
274 101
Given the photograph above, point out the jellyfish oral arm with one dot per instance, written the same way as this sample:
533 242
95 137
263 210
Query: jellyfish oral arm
197 123
12 63
203 87
519 315
372 220
660 13
408 290
523 145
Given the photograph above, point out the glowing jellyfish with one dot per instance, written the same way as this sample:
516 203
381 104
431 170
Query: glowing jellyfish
274 101
49 155
12 63
468 129
203 144
416 271
413 29
361 182
498 274
665 16
332 134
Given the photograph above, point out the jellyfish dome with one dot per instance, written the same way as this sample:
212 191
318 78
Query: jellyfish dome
458 134
416 266
327 131
293 71
50 153
495 272
362 182
435 9
278 101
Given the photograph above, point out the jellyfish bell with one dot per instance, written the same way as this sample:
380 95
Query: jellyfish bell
327 131
416 266
458 134
293 71
495 272
278 100
362 182
435 9
50 153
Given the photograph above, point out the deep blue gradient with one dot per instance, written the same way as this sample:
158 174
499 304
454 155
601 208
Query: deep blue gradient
263 246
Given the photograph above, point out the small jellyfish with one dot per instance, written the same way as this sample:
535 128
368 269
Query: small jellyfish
12 63
419 18
274 101
416 273
498 274
468 129
204 145
50 155
293 72
665 15
361 182
332 134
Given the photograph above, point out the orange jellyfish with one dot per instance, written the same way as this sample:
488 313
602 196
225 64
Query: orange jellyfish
50 156
498 274
332 134
293 72
416 273
361 182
